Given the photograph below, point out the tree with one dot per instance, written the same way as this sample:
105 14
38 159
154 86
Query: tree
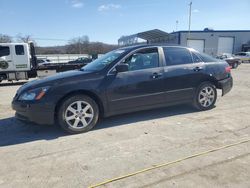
78 45
81 45
25 38
5 38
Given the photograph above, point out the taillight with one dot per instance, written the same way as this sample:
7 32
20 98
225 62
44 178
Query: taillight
228 69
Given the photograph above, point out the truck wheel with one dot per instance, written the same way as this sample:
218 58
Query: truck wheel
78 114
205 96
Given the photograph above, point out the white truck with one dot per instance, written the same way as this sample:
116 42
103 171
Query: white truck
18 62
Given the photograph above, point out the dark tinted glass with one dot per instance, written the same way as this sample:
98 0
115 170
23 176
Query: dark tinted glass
19 49
242 54
196 58
177 56
143 59
207 58
4 51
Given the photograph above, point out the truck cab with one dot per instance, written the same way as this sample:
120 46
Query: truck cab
15 61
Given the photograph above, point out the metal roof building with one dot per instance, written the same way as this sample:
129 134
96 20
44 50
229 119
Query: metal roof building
151 36
212 42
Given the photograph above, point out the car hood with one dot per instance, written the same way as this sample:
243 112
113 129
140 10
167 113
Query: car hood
54 79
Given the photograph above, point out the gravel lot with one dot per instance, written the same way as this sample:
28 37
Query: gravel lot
43 156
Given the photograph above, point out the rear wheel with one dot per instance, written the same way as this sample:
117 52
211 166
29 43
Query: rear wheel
78 114
205 96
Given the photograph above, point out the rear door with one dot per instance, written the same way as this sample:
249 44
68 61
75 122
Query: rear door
141 86
181 74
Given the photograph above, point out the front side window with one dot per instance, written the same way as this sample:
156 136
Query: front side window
4 51
19 50
143 59
103 61
177 56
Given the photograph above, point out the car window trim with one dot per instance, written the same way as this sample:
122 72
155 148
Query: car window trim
197 54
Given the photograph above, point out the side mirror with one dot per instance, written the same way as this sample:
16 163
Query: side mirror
122 68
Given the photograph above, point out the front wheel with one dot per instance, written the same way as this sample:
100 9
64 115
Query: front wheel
205 96
78 114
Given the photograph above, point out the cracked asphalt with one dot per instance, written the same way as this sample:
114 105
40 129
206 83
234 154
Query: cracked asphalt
44 156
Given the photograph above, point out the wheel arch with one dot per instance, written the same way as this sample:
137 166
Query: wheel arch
90 94
211 80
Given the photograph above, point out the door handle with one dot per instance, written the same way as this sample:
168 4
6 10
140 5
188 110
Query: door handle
197 69
156 75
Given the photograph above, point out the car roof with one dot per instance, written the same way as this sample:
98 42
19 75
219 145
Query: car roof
134 47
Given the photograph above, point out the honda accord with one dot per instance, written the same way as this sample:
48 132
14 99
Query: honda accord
124 80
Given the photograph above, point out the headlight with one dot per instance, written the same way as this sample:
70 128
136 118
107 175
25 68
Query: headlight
34 94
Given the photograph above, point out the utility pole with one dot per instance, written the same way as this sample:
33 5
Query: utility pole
176 26
190 14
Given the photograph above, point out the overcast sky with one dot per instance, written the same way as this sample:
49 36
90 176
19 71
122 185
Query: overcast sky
107 20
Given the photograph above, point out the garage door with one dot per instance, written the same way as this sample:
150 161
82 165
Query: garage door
225 45
196 44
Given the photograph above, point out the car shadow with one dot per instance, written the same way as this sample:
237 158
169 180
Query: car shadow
144 116
14 132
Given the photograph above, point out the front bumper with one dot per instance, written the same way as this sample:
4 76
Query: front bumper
226 85
39 113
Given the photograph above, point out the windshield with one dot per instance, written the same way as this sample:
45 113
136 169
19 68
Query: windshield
103 61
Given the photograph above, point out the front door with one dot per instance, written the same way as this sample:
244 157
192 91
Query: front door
141 85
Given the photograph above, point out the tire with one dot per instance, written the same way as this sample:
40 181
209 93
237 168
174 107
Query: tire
202 99
235 65
78 114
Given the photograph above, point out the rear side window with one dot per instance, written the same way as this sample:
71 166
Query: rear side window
4 51
206 58
177 56
196 58
19 49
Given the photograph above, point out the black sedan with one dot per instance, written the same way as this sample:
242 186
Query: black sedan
124 80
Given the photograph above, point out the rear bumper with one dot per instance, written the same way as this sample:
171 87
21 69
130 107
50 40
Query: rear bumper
226 85
37 113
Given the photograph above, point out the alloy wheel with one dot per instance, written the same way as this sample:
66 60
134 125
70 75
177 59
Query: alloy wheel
79 114
206 96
